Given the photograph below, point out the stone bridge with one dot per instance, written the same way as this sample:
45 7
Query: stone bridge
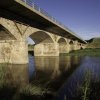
50 38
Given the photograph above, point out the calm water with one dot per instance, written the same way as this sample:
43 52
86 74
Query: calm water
87 64
62 74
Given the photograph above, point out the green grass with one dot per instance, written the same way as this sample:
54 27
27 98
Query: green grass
30 91
85 89
34 92
4 74
93 43
7 88
85 52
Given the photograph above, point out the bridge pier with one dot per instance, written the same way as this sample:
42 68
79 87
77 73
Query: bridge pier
75 45
13 51
64 48
46 49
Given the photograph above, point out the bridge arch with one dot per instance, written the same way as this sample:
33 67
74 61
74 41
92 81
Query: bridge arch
37 35
41 37
71 43
11 27
5 34
61 40
45 44
62 45
11 50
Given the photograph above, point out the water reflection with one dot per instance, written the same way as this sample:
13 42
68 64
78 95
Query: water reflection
54 70
46 70
31 67
47 65
87 64
13 78
14 74
64 73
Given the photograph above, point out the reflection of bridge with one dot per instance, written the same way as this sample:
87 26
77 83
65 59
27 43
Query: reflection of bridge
20 19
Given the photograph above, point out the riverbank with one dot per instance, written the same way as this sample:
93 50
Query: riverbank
85 52
49 77
11 89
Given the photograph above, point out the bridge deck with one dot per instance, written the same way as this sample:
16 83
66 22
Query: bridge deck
22 12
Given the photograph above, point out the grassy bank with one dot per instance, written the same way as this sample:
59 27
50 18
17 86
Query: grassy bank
85 52
9 90
93 43
89 89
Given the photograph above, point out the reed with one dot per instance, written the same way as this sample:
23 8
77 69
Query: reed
85 89
85 52
32 89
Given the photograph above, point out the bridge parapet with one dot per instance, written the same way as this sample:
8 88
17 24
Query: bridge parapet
46 14
33 5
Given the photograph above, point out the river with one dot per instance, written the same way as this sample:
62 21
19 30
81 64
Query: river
63 75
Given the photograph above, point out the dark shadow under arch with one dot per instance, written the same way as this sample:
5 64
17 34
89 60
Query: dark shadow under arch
61 40
41 36
71 42
62 45
5 34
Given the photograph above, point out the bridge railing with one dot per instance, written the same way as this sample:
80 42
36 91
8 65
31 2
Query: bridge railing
33 5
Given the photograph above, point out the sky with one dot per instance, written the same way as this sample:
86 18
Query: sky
81 16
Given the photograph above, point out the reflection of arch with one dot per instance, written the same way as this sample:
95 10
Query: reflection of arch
5 34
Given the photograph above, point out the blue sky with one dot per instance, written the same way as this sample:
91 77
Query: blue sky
81 16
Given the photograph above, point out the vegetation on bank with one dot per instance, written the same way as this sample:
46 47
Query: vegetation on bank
93 43
89 89
33 91
84 90
30 47
9 90
85 52
92 49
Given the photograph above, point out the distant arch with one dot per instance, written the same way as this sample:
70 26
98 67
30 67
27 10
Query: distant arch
63 48
71 42
62 40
